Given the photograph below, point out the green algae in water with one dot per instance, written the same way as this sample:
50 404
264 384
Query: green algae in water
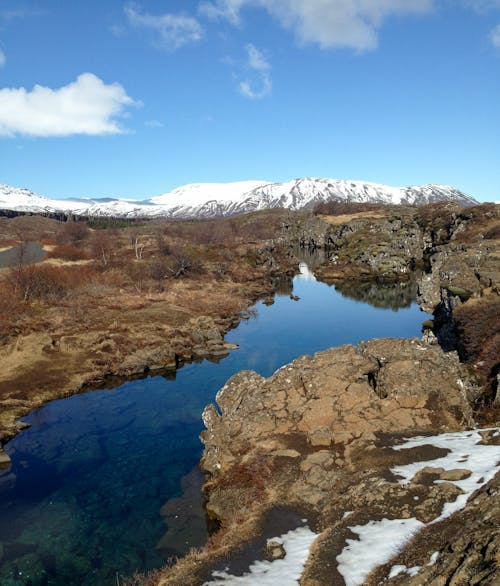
81 501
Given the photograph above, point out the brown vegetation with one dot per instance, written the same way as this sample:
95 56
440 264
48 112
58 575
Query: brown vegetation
479 334
341 208
67 252
120 300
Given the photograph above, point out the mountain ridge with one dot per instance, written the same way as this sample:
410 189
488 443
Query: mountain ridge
209 200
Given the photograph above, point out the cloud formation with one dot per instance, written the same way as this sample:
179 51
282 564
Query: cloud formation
260 85
495 36
172 30
85 106
327 23
2 58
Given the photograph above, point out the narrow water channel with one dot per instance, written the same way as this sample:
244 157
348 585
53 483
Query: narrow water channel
81 501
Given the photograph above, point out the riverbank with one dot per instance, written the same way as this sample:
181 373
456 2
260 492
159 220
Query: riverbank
98 325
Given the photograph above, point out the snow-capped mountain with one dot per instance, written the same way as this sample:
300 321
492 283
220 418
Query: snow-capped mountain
208 200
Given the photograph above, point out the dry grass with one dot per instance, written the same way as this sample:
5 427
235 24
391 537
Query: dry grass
66 252
345 218
479 333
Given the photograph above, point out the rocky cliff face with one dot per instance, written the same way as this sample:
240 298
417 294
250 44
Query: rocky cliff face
457 250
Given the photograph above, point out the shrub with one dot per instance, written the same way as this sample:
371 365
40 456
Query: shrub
73 233
477 328
183 263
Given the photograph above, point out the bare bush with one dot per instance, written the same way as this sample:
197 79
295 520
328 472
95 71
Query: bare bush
73 233
183 263
41 282
102 246
138 274
11 308
139 243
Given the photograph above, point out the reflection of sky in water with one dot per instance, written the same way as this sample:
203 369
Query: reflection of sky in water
82 498
305 273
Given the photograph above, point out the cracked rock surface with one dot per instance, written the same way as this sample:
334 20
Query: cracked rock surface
319 438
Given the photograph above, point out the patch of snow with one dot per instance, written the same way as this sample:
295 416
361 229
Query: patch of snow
434 558
400 569
378 542
285 572
465 452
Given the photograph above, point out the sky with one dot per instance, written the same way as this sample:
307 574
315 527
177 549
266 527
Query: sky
132 99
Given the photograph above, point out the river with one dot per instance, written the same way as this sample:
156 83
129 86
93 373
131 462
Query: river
81 501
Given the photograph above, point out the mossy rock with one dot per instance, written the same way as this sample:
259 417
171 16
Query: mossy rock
428 324
464 294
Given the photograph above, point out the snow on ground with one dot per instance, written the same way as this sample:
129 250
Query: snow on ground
401 569
380 540
465 453
285 572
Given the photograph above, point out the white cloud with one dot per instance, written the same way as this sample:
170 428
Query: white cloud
256 59
2 58
228 9
482 5
259 85
86 106
173 30
154 124
495 36
328 23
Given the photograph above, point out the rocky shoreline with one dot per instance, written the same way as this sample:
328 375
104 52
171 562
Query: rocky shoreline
131 339
323 438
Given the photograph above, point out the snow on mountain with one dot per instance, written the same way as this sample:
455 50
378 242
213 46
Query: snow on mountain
208 200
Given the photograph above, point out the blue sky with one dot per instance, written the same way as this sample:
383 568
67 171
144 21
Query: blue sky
136 98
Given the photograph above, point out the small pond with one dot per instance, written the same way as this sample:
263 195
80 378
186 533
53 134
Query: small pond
26 253
81 501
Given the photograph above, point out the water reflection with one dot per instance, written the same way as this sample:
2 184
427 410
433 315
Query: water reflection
385 295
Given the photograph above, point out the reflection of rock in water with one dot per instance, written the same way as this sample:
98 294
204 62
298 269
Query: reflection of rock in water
387 295
311 257
185 518
283 285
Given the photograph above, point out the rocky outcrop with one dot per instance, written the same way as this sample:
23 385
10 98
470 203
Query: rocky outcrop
386 245
320 440
458 250
325 413
462 290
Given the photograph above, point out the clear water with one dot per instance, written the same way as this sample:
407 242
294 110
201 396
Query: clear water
31 252
81 501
